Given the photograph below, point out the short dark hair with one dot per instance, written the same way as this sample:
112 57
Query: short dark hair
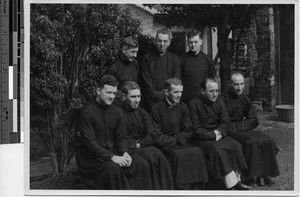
235 73
165 31
107 80
172 81
130 85
129 42
194 33
206 80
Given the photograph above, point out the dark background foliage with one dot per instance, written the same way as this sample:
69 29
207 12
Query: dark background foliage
71 46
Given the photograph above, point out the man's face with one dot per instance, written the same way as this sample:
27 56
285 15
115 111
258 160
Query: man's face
162 43
195 43
237 84
133 98
174 94
107 94
130 53
211 92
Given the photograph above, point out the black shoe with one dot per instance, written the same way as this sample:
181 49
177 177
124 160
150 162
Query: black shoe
240 186
268 181
250 182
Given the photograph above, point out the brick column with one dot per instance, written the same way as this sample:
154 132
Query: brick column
262 57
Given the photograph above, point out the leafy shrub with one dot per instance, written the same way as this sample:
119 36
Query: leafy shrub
71 46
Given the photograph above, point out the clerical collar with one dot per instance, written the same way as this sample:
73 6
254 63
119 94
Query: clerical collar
206 100
233 93
194 53
171 105
157 52
124 59
101 103
127 107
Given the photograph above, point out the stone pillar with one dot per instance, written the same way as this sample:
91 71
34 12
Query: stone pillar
262 57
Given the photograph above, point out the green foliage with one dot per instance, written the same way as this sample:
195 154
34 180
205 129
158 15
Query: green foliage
71 46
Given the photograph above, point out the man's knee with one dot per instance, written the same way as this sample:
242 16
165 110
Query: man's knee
112 168
138 161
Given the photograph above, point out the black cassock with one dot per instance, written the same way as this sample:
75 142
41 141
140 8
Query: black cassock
225 155
259 149
194 68
124 71
155 70
173 127
103 134
141 130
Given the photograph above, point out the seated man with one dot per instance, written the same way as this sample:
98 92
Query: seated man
142 134
174 131
103 157
209 118
259 149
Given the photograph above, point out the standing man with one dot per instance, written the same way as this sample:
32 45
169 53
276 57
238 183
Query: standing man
225 159
158 66
142 137
259 149
125 68
103 156
195 66
174 131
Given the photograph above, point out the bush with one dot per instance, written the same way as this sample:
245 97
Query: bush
71 46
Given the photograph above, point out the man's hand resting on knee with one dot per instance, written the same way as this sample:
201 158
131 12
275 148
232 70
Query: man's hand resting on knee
122 161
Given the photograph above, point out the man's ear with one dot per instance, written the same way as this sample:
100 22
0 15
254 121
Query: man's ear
124 48
166 92
202 91
98 90
229 83
201 41
123 97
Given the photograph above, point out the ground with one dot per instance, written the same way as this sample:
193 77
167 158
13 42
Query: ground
281 132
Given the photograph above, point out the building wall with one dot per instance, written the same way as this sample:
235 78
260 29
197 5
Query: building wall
256 57
149 26
284 21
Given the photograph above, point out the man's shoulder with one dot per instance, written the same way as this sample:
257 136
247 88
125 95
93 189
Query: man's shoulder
89 107
219 101
205 55
142 110
183 105
150 54
172 56
116 63
194 101
116 108
222 96
158 106
89 104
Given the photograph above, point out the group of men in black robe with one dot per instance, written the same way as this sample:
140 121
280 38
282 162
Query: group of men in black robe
173 144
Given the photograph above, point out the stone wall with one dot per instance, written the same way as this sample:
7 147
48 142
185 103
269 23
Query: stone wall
257 57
